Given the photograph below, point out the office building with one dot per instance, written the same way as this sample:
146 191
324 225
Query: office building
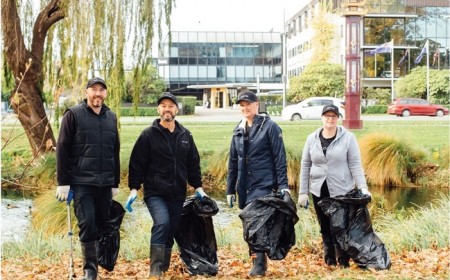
214 66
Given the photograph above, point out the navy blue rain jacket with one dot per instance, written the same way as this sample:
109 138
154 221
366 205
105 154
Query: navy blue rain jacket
261 169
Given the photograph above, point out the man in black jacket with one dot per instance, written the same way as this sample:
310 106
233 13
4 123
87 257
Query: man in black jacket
88 163
164 159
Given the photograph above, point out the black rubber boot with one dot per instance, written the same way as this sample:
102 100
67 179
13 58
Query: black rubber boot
166 263
156 259
329 254
342 258
259 264
90 261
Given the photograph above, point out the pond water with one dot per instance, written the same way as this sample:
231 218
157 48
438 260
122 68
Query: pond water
16 213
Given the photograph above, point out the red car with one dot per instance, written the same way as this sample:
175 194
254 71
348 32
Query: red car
406 107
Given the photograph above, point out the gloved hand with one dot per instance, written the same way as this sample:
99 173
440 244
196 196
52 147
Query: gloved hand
285 191
62 192
231 198
200 193
114 191
303 200
131 198
365 191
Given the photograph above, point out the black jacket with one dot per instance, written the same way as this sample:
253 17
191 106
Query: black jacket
88 148
163 171
261 168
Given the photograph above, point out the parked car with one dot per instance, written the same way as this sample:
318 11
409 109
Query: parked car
311 108
406 107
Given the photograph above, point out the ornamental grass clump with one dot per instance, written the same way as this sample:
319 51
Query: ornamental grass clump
389 161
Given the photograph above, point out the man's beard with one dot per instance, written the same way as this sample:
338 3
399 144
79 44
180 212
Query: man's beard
168 117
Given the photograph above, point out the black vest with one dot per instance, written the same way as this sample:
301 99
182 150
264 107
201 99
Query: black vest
92 154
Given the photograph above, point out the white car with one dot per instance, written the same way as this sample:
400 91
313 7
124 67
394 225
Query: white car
311 108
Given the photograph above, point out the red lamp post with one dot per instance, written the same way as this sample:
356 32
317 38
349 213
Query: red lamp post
352 10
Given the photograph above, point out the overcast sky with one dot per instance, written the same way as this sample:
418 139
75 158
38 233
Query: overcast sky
232 15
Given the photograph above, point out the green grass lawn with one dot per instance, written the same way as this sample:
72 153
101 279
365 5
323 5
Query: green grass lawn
216 136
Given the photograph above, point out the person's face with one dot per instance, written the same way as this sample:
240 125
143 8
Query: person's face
330 119
248 109
167 110
96 95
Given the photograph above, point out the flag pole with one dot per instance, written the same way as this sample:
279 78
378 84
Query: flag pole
428 71
392 70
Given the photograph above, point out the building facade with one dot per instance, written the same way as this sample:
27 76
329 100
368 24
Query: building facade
408 23
214 66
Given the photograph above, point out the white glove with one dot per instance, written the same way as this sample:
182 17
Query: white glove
285 191
231 198
303 200
114 191
62 192
200 193
365 191
131 198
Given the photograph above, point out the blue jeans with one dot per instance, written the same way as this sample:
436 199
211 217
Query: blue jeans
166 216
91 206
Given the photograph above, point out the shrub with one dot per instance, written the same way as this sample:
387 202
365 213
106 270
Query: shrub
189 103
141 112
376 109
390 161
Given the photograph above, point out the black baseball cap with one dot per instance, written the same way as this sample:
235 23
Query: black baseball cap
247 96
96 80
330 108
168 95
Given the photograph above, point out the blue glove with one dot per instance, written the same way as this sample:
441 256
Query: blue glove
231 198
200 193
131 198
303 200
365 191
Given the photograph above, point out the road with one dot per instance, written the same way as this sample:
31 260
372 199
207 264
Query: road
234 115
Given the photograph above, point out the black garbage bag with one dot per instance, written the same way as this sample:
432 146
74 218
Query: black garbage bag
269 225
196 238
351 224
109 244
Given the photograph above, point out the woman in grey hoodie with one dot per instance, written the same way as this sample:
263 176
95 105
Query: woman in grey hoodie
330 166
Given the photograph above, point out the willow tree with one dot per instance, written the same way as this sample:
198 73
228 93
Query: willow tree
69 41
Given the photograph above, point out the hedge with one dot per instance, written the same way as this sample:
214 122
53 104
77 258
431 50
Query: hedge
376 109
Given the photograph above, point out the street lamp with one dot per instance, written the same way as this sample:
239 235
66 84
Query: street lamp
352 10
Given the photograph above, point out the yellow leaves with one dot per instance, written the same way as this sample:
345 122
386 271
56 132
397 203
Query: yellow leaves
299 264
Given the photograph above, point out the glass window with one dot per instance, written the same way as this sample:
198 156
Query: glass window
231 71
221 74
192 37
202 72
201 36
193 72
183 37
212 73
184 71
240 71
221 37
174 52
249 72
173 71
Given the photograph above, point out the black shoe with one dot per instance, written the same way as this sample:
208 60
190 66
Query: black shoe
90 261
259 264
156 259
329 254
342 258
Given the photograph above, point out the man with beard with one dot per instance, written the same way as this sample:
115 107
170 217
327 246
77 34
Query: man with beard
88 164
164 159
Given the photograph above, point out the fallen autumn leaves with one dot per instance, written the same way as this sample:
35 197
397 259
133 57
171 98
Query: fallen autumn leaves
305 264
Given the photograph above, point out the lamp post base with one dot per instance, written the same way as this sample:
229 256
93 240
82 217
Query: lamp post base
353 124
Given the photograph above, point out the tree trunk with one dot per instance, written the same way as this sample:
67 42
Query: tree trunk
26 66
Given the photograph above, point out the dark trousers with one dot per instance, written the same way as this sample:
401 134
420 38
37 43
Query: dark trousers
91 206
166 216
324 220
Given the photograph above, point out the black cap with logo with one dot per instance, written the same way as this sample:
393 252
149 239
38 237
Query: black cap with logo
96 80
168 95
247 96
330 108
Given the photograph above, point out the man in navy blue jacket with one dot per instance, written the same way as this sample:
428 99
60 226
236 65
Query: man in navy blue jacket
257 164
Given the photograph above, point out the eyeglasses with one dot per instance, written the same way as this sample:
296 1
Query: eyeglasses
330 116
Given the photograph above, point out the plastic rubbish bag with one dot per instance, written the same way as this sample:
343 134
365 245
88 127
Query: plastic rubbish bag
268 224
196 238
109 243
351 224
